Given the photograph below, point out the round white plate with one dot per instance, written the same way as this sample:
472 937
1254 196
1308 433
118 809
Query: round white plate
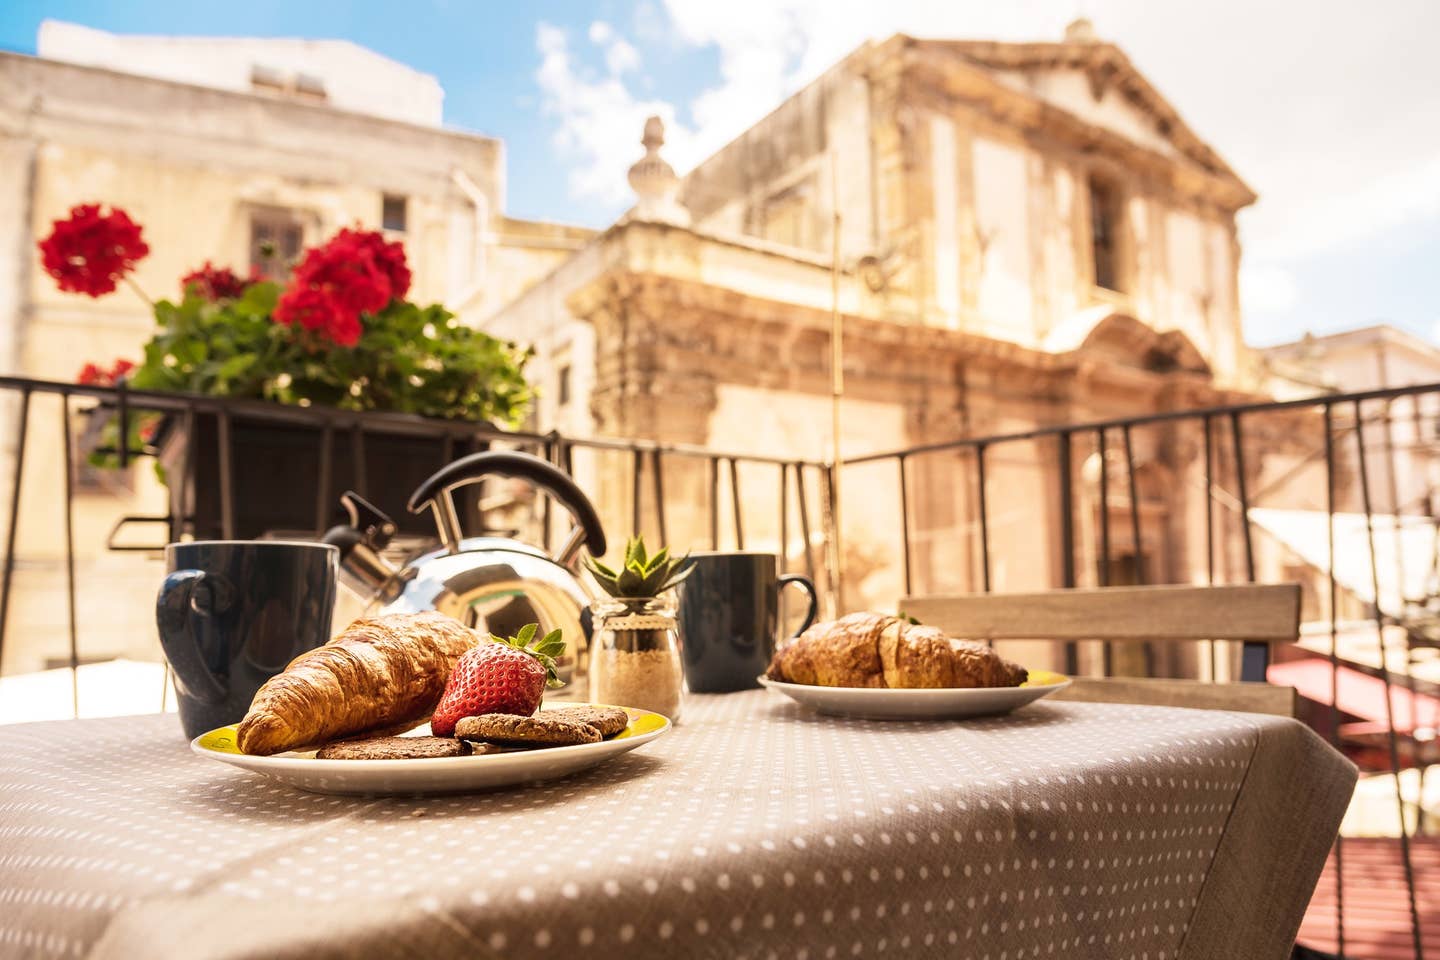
883 703
299 768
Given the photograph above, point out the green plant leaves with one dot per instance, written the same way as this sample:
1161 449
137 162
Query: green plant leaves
642 574
410 359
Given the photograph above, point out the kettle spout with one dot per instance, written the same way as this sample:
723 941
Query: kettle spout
362 568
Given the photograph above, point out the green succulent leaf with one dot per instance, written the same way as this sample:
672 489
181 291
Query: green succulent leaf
641 574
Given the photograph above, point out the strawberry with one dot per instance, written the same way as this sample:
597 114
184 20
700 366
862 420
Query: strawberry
502 675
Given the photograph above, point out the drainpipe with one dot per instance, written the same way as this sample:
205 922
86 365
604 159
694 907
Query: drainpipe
481 203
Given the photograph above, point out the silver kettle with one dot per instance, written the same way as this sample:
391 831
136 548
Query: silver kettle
493 584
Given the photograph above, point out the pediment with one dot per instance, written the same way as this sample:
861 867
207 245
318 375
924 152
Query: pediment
1096 83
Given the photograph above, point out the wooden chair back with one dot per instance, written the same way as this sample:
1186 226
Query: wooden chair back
1256 614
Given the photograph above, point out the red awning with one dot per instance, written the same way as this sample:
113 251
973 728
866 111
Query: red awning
1359 694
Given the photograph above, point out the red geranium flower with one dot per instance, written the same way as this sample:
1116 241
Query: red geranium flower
216 283
94 376
90 252
315 309
355 272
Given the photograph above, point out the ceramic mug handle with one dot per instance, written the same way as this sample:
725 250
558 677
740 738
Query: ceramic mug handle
179 601
803 581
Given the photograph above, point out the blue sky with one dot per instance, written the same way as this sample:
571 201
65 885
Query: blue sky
1327 112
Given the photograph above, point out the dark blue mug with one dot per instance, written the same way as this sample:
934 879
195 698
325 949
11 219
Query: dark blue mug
233 613
730 616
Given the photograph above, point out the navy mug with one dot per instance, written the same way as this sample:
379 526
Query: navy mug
233 613
729 618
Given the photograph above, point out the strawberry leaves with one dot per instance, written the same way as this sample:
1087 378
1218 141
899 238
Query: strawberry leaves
546 650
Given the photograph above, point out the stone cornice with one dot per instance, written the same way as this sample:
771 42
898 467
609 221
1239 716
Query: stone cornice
962 71
37 87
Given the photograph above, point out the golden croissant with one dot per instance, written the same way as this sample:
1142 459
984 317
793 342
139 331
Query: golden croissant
381 673
875 650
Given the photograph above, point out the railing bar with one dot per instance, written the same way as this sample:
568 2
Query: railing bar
227 479
714 503
187 482
163 401
981 505
1165 417
1107 649
1392 738
834 576
546 536
72 622
1148 650
357 451
1134 505
1242 490
1396 509
1104 455
1254 657
9 570
784 527
804 519
904 524
637 470
658 482
322 484
735 504
1334 654
122 409
1210 530
1067 536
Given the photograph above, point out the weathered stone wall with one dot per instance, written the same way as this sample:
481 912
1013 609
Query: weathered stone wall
190 163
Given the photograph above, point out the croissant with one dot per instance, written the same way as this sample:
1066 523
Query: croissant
381 673
875 650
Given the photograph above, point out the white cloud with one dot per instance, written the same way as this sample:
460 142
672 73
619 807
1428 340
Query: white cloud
620 55
1267 290
599 121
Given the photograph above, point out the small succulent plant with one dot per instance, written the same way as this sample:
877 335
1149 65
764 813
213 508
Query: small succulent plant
641 575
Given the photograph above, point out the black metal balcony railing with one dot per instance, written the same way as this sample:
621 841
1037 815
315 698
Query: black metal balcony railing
1188 484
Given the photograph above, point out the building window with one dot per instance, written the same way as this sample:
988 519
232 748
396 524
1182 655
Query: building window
392 213
276 236
787 217
279 83
309 87
562 385
1106 225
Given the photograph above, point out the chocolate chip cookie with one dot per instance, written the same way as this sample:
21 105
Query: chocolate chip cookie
393 748
608 720
537 731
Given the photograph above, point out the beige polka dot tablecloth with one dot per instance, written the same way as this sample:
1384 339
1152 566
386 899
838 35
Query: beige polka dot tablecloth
756 829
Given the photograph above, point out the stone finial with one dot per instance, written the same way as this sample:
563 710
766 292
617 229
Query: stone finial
1080 30
654 180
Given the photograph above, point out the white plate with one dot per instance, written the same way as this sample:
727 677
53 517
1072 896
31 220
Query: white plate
883 703
299 768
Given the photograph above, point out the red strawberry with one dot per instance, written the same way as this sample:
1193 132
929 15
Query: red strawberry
504 675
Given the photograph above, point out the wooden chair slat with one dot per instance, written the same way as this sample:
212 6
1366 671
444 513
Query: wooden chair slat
1263 613
1253 612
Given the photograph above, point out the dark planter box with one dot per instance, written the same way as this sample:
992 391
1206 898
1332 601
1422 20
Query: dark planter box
277 468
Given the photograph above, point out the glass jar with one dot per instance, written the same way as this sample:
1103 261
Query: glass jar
635 654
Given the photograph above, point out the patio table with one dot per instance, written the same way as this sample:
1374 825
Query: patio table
755 829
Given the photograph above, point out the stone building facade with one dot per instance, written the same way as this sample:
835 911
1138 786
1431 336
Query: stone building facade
1028 235
214 146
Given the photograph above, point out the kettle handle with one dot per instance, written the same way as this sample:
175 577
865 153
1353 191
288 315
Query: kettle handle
436 491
